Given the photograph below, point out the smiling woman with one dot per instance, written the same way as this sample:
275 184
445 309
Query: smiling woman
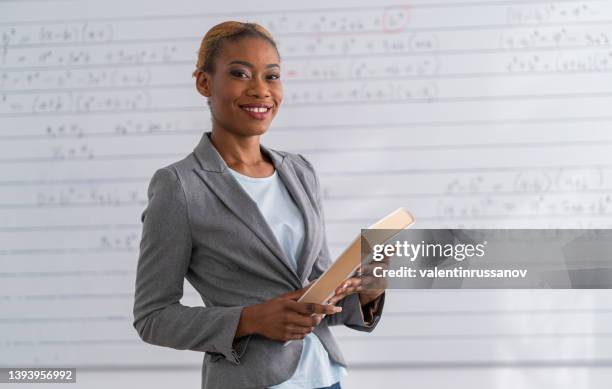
239 73
235 204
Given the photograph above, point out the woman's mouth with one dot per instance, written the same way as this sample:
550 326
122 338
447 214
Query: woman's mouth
259 112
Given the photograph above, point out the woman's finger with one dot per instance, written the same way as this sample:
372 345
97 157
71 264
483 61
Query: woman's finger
348 284
346 292
301 330
348 287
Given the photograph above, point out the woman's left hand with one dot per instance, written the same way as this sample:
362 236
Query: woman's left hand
375 286
353 285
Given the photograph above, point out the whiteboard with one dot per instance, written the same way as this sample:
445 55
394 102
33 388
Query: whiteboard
478 114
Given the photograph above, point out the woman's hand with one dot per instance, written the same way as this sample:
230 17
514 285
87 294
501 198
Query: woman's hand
354 285
283 318
368 286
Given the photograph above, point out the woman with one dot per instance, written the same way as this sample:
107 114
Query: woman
244 225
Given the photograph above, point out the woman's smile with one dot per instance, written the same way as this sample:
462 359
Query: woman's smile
259 111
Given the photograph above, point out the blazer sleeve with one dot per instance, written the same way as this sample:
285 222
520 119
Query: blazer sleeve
165 254
353 315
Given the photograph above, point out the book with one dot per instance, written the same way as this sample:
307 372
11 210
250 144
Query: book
324 287
350 260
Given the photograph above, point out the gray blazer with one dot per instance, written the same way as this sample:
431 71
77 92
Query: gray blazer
201 225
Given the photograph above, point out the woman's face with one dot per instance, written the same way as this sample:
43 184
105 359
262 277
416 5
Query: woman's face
245 91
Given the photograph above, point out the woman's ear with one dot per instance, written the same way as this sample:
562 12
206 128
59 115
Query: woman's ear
203 84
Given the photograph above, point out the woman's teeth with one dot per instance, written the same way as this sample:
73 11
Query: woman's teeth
254 109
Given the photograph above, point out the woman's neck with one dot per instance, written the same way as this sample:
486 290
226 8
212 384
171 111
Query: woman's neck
242 153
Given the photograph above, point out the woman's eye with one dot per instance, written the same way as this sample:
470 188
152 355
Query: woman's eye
238 73
274 76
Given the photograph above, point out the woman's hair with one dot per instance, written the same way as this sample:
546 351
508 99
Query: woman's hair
212 43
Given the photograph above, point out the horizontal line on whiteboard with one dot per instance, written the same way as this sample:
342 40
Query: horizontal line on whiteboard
362 221
459 337
327 82
506 217
470 194
109 204
74 181
385 366
354 172
492 312
66 273
101 134
382 366
452 123
70 227
36 320
317 34
65 342
483 146
67 296
362 339
106 112
130 295
351 149
457 170
480 312
326 127
87 181
329 198
328 221
429 101
424 5
117 157
520 363
365 55
66 250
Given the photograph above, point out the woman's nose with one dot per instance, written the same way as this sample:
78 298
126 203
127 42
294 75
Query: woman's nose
259 89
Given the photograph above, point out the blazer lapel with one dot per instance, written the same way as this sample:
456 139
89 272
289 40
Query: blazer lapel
218 178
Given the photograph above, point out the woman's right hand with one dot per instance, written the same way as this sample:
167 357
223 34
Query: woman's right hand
284 318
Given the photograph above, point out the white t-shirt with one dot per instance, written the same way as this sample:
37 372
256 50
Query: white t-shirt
315 369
